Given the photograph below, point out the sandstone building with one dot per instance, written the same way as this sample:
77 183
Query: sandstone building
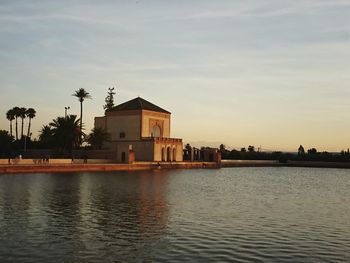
140 130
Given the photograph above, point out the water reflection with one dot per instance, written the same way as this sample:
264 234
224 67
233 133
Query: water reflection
14 204
127 214
265 214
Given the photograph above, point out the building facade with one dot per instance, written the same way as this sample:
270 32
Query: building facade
140 130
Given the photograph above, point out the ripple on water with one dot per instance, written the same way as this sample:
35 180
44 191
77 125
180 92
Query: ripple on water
243 215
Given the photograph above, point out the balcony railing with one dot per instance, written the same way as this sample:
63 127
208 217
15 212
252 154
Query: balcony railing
162 139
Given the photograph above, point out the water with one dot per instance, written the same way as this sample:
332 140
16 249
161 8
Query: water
236 215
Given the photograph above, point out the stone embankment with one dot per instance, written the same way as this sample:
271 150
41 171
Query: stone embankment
67 166
95 165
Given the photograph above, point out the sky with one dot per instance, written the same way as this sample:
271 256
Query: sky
274 74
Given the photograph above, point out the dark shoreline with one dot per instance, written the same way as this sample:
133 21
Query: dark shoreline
262 163
338 165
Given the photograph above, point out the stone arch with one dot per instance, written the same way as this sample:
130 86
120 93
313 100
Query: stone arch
168 154
156 131
163 154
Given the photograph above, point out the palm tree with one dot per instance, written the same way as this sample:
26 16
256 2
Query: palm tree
17 112
66 132
97 136
45 132
22 116
81 94
46 136
10 115
30 113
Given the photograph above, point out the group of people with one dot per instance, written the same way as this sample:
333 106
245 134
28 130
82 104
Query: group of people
19 157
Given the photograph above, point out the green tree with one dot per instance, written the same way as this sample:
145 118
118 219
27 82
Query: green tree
10 115
66 132
81 94
97 137
17 112
22 115
30 113
109 99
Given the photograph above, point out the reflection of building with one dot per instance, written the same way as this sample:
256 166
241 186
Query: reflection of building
140 127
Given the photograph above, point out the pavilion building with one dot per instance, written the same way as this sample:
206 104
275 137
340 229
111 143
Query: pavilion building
140 131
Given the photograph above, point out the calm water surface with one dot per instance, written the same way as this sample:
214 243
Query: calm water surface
237 215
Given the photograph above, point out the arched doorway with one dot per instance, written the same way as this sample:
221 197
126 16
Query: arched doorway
174 154
163 154
168 154
156 131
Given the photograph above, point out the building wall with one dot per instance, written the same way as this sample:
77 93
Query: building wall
179 152
130 125
149 150
161 151
150 118
100 122
143 150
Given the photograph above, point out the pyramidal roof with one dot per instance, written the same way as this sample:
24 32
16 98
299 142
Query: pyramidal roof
138 104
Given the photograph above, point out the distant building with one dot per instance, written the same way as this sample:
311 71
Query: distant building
140 131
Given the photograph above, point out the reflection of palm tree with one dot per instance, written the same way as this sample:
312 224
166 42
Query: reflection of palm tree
97 136
16 111
30 113
10 115
81 94
66 132
22 115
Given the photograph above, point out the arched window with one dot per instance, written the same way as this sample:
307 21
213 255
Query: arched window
156 131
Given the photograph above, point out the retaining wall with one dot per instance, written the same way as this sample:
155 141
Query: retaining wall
52 161
64 167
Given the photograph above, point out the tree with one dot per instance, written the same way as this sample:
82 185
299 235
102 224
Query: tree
224 152
30 113
97 137
301 150
17 112
251 148
10 115
243 150
312 151
22 115
109 99
46 137
188 147
81 94
5 141
66 132
222 148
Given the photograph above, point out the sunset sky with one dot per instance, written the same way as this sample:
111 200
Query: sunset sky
274 74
